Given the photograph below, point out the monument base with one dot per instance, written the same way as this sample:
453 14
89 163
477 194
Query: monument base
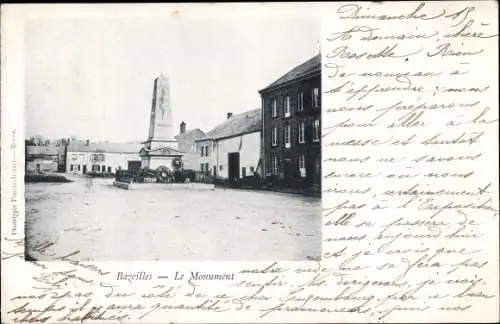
154 155
164 186
155 162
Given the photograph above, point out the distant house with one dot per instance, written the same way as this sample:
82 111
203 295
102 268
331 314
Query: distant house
42 158
291 108
186 143
83 157
232 149
186 140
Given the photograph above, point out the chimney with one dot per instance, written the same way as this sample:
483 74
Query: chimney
183 127
229 115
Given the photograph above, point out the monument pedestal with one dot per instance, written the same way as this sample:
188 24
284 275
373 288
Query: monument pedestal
160 155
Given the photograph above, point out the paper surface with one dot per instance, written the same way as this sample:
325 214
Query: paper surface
410 181
411 127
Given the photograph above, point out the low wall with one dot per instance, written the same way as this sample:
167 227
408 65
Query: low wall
122 185
164 186
30 178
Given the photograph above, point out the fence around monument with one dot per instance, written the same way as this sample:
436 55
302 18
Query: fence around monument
186 176
129 176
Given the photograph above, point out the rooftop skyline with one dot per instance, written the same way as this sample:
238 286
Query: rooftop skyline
93 77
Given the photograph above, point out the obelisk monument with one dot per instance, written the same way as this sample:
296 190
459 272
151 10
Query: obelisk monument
160 149
161 130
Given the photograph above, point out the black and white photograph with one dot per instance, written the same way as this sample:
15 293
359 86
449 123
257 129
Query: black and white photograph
326 162
183 138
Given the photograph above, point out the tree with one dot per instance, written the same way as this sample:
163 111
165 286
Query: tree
38 140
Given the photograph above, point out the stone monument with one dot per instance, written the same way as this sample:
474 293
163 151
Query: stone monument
161 149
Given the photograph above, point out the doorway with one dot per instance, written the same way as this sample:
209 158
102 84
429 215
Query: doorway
317 170
134 166
233 167
84 169
287 168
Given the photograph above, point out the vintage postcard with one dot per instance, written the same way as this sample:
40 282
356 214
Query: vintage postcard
254 163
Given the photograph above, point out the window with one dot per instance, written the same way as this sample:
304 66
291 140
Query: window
220 167
300 101
302 164
315 97
275 164
71 167
287 136
78 167
243 172
207 169
274 136
252 170
202 166
316 130
109 169
302 161
274 108
302 127
204 150
95 158
286 104
103 168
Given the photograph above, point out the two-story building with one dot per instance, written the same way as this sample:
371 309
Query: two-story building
83 157
291 109
186 143
231 150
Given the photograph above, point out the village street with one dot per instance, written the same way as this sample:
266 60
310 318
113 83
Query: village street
106 223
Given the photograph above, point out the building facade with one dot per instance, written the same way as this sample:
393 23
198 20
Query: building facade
186 141
207 160
231 150
291 114
42 158
102 157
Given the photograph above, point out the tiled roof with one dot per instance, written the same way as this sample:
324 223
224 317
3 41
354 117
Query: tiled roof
247 122
191 135
308 67
42 150
105 147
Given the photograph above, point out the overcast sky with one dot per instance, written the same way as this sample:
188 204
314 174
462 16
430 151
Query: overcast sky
93 78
